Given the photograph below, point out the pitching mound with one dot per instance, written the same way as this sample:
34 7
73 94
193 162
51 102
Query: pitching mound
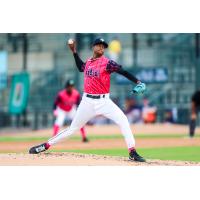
75 159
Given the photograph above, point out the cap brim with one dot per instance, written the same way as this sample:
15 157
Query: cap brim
104 43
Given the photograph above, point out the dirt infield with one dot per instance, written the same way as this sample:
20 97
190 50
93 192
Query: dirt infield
75 159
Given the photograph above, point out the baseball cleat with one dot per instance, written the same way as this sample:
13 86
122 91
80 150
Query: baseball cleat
38 149
134 156
85 140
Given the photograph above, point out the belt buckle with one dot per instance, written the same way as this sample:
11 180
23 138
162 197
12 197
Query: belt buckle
96 96
93 96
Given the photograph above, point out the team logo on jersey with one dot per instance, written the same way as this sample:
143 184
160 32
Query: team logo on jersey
92 72
68 103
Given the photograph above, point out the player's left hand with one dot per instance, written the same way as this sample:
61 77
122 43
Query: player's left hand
139 88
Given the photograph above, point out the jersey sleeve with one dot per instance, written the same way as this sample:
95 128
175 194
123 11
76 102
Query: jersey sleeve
112 66
78 99
56 102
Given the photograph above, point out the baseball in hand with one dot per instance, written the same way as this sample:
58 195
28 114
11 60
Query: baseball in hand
70 41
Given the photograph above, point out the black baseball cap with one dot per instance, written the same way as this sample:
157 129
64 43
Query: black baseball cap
69 83
100 41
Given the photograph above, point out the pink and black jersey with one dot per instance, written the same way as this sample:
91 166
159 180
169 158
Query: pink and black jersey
66 101
97 75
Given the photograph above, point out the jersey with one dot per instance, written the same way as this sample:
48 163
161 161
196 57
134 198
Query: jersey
97 75
66 101
196 98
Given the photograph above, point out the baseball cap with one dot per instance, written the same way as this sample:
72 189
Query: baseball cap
69 83
100 41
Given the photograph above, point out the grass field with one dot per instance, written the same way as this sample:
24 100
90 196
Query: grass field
167 153
92 137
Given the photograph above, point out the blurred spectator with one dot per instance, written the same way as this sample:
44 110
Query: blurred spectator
114 49
175 114
194 109
133 111
170 115
148 112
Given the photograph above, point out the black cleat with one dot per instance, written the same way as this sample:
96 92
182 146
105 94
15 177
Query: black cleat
38 149
85 140
134 156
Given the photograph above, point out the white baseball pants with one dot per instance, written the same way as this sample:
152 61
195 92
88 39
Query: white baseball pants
90 108
62 115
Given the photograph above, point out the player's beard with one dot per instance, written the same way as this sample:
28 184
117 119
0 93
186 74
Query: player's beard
98 54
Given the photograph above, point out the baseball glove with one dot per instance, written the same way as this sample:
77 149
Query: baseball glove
139 88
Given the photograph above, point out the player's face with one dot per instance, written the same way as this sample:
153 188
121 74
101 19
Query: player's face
69 89
99 49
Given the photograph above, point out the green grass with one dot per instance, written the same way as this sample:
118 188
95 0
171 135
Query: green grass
21 139
92 137
167 153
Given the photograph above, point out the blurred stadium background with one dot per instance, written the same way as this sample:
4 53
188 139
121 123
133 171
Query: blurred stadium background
168 63
35 66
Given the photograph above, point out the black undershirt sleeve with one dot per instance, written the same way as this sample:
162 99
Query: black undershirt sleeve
128 75
79 63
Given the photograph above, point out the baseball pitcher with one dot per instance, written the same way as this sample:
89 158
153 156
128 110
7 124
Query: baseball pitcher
96 98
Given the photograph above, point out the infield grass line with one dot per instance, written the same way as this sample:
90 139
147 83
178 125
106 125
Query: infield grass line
91 137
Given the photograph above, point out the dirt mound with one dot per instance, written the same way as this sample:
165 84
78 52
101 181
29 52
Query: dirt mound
76 159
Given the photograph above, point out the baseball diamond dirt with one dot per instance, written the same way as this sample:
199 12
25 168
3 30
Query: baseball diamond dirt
76 159
14 146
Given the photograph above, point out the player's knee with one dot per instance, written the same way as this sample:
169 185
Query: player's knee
123 121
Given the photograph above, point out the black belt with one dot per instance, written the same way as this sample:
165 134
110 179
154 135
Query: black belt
95 96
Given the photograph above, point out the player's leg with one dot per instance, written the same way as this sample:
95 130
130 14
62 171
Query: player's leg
113 112
84 113
83 134
193 118
55 129
71 115
60 118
